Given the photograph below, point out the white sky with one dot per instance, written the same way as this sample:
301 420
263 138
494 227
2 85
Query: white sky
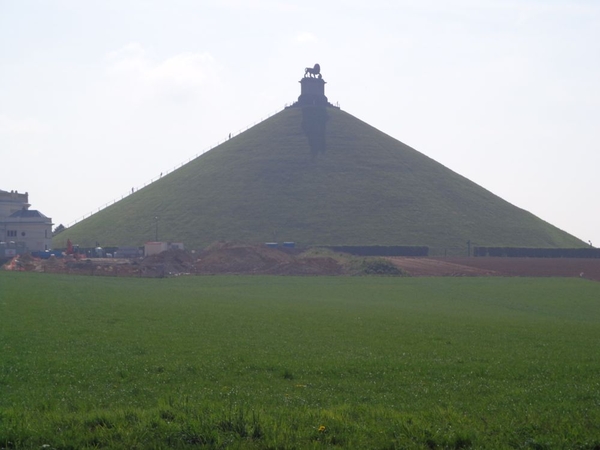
97 97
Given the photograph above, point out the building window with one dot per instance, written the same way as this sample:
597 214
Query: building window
23 233
11 233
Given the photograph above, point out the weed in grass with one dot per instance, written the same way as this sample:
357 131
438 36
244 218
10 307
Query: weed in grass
191 436
98 422
167 415
131 417
235 423
257 429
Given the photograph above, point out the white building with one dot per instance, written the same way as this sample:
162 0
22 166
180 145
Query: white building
26 228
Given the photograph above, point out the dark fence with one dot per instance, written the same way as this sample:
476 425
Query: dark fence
450 252
382 250
521 252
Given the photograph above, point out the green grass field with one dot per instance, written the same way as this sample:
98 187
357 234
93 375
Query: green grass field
294 363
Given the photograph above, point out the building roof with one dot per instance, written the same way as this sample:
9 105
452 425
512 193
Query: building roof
28 214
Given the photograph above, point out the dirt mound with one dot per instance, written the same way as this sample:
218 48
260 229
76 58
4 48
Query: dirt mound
219 258
22 263
309 266
168 263
239 258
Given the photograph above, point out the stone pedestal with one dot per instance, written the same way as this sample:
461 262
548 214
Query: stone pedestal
312 92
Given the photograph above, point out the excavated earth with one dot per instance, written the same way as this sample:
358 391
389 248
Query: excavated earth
219 258
255 259
239 258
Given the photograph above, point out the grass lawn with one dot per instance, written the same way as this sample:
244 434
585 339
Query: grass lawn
298 362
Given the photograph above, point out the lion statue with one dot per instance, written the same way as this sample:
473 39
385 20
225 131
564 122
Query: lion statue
313 71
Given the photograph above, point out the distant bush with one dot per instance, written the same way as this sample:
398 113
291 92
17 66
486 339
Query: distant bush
522 252
378 266
59 229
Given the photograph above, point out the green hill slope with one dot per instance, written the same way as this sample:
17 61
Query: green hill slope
316 176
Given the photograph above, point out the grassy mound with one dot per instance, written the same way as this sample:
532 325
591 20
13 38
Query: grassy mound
316 176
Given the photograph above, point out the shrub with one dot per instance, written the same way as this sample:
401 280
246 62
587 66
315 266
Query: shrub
379 266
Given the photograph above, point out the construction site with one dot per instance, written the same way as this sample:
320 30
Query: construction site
248 259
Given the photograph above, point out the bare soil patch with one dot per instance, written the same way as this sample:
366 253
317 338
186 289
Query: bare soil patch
234 258
219 258
240 258
515 267
429 267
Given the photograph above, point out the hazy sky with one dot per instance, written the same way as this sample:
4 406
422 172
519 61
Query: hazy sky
97 97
